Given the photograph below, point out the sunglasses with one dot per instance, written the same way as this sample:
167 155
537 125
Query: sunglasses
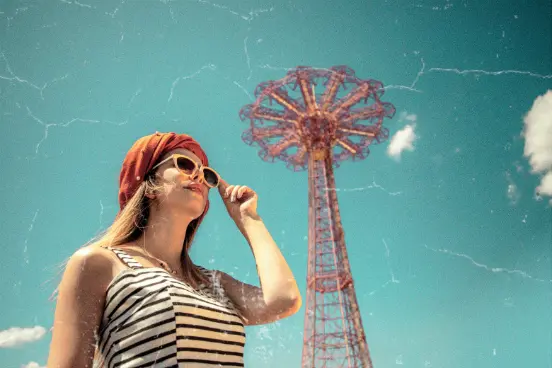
189 167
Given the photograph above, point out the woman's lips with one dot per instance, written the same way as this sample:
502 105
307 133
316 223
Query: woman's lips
194 188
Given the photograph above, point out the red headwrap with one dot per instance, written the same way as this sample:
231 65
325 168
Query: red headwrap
145 153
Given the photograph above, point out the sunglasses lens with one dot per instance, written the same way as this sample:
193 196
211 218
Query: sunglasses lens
185 164
210 177
188 166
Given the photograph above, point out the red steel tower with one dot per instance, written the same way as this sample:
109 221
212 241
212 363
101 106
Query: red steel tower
313 119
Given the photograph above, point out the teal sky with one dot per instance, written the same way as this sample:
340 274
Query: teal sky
450 248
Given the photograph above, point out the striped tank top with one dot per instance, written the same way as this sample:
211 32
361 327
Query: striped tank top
151 319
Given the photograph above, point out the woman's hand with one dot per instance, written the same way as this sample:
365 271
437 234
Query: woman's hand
240 201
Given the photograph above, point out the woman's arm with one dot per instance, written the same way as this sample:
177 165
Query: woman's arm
79 308
278 297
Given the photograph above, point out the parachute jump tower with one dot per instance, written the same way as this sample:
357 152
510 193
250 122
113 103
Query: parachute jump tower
312 119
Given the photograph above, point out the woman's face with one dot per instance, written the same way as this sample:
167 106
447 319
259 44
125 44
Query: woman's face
181 191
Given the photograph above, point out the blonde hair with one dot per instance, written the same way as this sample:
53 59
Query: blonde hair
132 221
130 224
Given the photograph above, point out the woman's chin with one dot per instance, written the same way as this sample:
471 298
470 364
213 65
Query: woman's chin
194 209
193 205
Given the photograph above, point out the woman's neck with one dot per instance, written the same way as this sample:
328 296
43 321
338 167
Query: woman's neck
164 237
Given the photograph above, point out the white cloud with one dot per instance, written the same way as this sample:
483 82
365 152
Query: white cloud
538 140
18 336
33 365
545 186
402 140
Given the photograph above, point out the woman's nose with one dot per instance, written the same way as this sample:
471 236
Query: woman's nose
198 175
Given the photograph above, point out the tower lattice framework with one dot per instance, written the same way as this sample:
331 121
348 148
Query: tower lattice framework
313 119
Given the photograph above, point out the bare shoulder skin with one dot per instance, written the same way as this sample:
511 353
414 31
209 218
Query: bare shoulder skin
79 307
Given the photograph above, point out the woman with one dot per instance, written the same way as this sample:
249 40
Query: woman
135 299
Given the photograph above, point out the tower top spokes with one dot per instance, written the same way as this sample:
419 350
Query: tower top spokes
314 113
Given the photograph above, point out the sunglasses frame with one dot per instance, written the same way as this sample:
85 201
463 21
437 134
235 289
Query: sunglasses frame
174 157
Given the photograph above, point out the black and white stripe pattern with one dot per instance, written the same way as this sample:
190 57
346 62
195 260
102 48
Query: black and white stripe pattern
153 320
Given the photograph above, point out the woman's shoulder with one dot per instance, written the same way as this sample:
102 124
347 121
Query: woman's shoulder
99 256
91 262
